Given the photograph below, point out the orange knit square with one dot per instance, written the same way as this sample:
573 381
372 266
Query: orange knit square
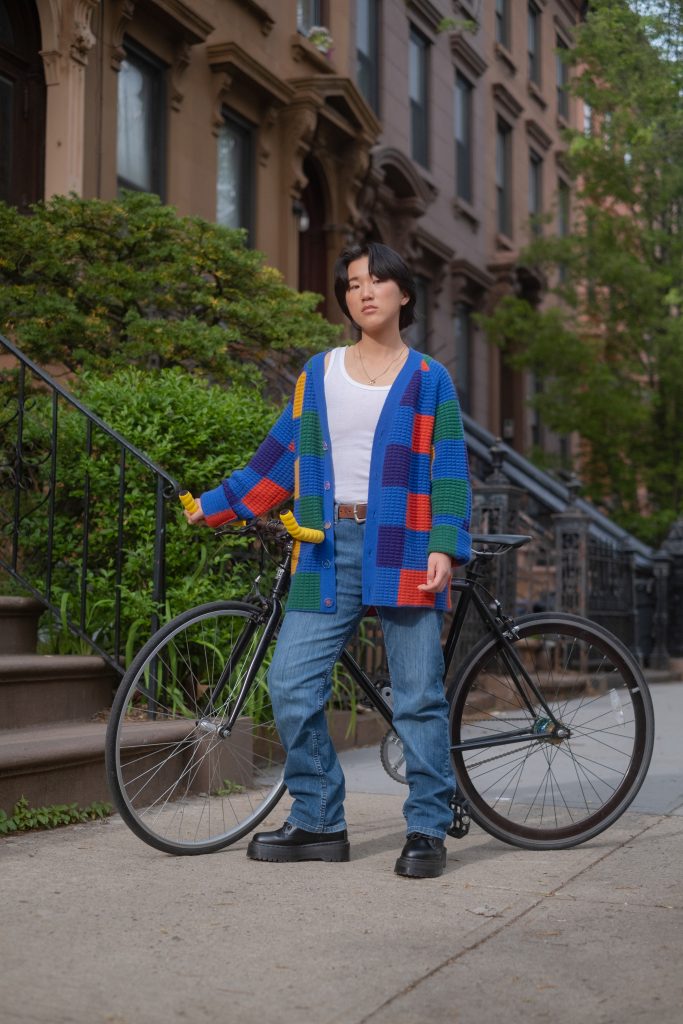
407 588
423 431
419 512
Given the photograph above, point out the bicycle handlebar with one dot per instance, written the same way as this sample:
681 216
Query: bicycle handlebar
287 519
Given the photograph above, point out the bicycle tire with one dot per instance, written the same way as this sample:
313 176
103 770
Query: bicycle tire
177 784
551 793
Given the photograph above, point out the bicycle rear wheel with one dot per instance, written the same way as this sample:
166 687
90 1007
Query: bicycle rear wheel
540 790
177 782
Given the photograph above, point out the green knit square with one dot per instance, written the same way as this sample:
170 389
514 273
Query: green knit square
310 437
448 425
443 539
449 497
310 512
304 593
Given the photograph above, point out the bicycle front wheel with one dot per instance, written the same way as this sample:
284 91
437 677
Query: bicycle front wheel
178 782
529 782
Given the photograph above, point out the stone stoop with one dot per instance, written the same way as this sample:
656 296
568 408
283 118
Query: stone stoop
51 746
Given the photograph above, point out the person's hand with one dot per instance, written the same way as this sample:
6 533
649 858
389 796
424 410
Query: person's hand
439 570
195 517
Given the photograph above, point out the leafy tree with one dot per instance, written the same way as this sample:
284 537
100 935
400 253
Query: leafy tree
608 344
92 284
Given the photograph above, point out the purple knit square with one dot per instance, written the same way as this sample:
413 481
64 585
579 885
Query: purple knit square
390 541
411 393
267 456
396 469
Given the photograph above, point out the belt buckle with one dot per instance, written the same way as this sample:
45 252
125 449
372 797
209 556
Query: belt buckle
355 515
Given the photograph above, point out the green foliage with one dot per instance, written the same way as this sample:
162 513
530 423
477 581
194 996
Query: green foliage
24 818
609 347
200 432
94 284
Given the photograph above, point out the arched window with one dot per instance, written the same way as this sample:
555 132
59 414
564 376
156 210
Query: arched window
22 104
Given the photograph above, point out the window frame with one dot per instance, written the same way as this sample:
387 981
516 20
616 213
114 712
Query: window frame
463 314
419 144
317 18
247 202
157 120
562 80
536 164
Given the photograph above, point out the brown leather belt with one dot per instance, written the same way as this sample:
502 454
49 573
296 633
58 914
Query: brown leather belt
359 512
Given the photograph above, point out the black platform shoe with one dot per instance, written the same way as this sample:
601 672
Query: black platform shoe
290 843
421 857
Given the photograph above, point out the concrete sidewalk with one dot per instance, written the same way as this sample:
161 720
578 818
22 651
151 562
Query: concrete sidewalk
98 928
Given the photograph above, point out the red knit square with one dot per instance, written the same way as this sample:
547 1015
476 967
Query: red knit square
423 432
419 512
264 495
408 593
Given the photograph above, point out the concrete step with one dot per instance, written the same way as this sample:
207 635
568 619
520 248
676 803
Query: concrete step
39 689
662 675
53 764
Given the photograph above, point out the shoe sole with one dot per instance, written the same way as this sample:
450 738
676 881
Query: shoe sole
330 852
408 867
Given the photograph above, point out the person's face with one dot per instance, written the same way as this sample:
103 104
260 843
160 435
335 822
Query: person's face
373 304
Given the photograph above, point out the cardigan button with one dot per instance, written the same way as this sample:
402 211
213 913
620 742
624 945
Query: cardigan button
327 485
327 563
328 524
328 602
325 446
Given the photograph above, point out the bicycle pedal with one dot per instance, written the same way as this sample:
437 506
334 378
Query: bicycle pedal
461 819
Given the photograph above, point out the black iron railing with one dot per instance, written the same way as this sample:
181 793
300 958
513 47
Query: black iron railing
32 408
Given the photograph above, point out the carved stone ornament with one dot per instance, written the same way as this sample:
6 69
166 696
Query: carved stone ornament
181 62
82 38
300 120
125 9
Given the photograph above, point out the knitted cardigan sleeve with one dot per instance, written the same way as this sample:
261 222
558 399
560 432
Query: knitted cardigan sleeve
265 482
451 490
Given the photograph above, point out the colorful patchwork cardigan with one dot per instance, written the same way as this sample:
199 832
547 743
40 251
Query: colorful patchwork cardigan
419 496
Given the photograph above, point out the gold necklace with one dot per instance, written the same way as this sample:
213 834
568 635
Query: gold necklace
386 368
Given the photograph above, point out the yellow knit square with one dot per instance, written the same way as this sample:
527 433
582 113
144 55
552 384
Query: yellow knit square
296 478
296 550
299 396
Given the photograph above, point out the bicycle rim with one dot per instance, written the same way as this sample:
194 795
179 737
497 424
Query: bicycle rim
177 782
541 791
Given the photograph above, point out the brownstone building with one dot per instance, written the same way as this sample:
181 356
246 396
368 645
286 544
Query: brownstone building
396 122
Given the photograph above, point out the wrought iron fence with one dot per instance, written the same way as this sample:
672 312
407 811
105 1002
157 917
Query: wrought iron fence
51 528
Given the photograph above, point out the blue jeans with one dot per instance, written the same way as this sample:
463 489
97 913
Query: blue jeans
300 681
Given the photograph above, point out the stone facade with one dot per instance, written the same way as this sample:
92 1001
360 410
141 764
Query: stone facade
325 158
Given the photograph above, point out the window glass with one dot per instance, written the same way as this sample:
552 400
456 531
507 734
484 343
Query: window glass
234 189
140 122
503 137
463 137
308 14
417 88
534 34
366 50
535 191
502 23
562 79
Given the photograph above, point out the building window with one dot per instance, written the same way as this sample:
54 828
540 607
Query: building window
562 73
463 353
419 114
587 119
419 330
535 192
503 177
563 217
234 181
463 137
503 23
308 14
367 18
534 43
141 122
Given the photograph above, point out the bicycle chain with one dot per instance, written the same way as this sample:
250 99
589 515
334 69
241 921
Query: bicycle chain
497 757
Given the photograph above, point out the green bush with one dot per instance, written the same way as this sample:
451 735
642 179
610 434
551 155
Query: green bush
25 818
93 284
199 433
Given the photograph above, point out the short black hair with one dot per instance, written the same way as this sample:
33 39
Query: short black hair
383 263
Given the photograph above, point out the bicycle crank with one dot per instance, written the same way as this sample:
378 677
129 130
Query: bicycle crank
392 757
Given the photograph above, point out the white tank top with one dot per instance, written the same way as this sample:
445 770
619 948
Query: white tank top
352 413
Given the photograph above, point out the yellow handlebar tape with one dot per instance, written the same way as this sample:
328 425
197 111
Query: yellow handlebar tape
300 532
188 502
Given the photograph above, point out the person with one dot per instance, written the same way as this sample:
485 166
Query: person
371 448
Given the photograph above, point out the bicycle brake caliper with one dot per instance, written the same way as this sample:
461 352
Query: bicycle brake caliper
461 818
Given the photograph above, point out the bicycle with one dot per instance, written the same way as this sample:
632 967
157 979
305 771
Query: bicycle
551 721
